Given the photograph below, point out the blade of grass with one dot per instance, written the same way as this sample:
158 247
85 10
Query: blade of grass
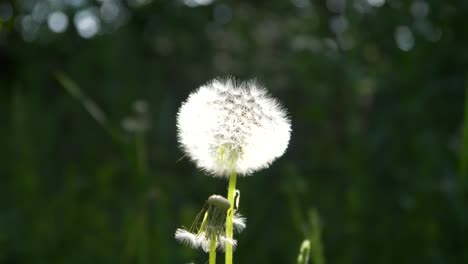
464 149
137 158
89 105
297 214
316 238
304 252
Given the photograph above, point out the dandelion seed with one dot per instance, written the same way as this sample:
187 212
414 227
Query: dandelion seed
239 222
187 238
225 126
223 241
201 240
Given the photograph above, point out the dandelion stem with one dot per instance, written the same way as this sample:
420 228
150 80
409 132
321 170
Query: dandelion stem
230 214
213 250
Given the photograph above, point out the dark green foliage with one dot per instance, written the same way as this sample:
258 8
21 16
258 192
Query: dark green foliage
379 144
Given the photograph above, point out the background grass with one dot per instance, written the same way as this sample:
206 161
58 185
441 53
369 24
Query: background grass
378 147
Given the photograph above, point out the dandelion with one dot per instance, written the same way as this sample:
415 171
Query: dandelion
225 126
229 128
211 227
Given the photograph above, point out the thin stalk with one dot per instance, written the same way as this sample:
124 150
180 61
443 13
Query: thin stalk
140 153
90 106
213 250
229 217
464 150
316 250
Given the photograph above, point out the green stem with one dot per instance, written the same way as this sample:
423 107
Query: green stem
213 250
140 151
230 215
316 250
464 150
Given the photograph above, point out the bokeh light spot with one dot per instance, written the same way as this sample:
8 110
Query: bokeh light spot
110 11
40 11
338 24
404 38
75 3
87 23
337 6
195 3
419 9
301 3
6 11
138 3
222 14
29 28
376 3
57 22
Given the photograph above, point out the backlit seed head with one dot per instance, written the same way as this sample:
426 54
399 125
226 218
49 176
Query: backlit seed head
226 126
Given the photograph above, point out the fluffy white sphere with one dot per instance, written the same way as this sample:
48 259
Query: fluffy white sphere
226 126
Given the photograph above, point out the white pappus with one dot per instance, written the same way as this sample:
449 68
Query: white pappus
225 126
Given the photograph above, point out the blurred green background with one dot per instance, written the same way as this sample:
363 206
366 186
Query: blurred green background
91 171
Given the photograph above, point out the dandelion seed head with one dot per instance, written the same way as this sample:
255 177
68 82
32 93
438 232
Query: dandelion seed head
225 126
